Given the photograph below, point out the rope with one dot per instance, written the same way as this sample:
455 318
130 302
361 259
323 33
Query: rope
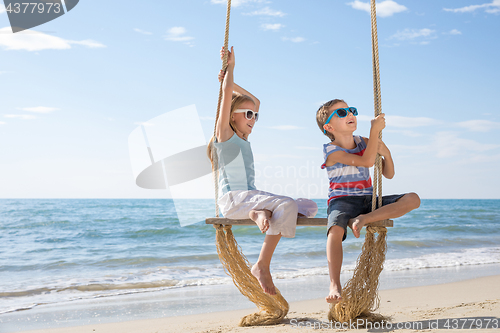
377 99
359 296
272 309
215 160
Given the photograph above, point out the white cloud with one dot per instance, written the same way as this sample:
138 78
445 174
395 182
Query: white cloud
411 150
363 117
403 122
143 32
409 133
283 156
2 123
455 32
492 8
479 125
2 9
237 3
177 34
30 40
384 9
266 11
21 116
410 122
39 109
294 39
285 127
409 34
87 42
269 26
477 159
448 144
307 148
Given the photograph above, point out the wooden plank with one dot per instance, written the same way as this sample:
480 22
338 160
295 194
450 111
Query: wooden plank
300 221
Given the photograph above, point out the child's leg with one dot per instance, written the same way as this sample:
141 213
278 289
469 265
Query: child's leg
261 268
274 213
334 256
262 218
403 205
281 222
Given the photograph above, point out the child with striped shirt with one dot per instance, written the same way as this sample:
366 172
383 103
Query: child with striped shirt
347 159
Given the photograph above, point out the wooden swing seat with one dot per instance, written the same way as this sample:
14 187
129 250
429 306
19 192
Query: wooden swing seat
301 221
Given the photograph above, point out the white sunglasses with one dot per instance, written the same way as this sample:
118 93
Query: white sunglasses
249 114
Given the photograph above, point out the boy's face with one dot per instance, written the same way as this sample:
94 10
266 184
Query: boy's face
348 124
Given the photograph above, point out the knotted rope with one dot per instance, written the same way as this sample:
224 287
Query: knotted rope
272 309
359 296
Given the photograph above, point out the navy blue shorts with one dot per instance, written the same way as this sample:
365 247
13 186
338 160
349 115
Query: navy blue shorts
342 209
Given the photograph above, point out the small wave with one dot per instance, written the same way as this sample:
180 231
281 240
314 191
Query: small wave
410 243
189 277
94 287
469 257
204 282
21 308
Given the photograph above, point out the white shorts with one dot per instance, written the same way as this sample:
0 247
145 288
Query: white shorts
237 205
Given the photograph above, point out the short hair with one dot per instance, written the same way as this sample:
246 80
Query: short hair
323 113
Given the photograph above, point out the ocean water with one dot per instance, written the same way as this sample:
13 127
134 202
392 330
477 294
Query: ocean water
71 250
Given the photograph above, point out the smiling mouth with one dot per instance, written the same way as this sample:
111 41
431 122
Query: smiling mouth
350 122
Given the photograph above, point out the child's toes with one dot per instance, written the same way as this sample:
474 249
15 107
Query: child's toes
265 225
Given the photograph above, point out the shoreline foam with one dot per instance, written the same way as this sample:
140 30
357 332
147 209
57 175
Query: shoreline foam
430 308
206 299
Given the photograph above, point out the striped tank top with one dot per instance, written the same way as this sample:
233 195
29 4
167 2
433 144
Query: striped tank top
347 179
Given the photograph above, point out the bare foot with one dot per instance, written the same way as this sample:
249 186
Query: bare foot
262 218
356 225
334 295
265 279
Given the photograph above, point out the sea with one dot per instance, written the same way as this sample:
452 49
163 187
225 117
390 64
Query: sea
66 262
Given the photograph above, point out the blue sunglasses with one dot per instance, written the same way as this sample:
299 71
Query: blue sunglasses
341 113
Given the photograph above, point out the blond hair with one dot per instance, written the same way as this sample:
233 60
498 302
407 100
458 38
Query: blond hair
323 113
237 100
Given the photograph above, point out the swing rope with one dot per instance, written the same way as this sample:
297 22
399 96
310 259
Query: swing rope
272 309
359 296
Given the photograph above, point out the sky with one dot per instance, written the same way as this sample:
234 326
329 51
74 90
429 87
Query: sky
75 88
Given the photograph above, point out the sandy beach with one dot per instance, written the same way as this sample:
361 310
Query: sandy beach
458 306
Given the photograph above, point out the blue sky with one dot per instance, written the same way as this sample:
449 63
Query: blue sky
74 88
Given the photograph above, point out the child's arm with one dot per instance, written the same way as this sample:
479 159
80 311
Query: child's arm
368 158
223 129
387 162
242 91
